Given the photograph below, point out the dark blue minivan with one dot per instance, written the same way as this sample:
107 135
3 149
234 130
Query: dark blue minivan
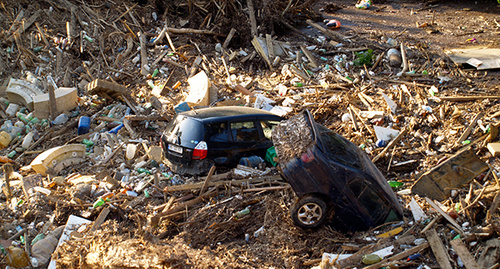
333 179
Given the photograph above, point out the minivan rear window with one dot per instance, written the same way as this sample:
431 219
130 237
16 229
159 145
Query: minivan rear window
185 132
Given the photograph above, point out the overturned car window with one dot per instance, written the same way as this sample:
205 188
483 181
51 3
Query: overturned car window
338 149
368 197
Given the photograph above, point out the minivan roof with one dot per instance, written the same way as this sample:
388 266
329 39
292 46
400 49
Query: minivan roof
226 113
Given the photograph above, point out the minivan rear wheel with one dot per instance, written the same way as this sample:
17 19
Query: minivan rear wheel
309 212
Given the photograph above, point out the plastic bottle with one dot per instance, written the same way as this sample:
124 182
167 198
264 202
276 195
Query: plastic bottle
83 125
116 129
131 149
27 140
37 238
63 118
395 184
143 170
11 109
88 143
394 57
6 126
414 256
22 117
5 139
242 213
12 154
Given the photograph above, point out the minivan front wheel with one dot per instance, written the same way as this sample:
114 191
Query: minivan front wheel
309 212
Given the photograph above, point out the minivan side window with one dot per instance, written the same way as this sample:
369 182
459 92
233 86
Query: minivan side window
217 132
244 131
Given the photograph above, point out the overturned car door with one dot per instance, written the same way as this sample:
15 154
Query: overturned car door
332 177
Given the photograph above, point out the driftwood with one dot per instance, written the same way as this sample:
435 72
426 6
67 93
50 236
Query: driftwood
397 257
438 249
191 31
331 34
251 14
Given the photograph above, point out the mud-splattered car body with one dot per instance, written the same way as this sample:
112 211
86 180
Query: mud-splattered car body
332 177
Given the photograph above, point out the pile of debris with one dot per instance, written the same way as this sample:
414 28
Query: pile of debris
87 90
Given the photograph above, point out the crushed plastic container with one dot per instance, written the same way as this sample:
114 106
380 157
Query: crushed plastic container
11 109
5 139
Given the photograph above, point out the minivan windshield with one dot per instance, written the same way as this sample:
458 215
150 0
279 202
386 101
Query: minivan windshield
185 131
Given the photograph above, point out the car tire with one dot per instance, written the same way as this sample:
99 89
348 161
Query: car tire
309 212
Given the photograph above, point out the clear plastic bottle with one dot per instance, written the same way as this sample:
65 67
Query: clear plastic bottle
27 140
63 118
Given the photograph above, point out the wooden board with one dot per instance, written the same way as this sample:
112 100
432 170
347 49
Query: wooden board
464 254
438 249
457 171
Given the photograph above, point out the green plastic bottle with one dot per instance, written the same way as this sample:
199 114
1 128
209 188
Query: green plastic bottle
87 142
395 184
98 203
143 170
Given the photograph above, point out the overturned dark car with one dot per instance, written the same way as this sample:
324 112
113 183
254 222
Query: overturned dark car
334 180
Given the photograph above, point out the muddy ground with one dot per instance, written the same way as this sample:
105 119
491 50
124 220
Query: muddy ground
206 234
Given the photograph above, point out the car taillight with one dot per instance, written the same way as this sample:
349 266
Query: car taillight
200 151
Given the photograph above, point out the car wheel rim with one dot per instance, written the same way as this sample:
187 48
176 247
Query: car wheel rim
309 213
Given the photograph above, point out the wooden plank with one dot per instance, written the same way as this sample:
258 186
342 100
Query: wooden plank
130 130
464 254
14 24
446 216
270 47
438 249
468 98
391 144
199 185
253 21
100 219
309 56
179 207
229 37
52 101
469 128
276 188
209 176
262 53
398 256
144 54
25 25
490 254
327 32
